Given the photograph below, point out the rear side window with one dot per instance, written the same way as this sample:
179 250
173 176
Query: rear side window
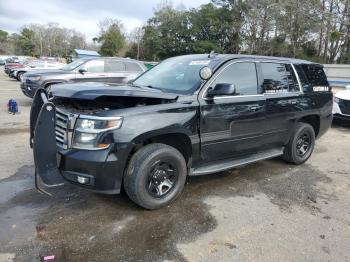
114 66
130 66
242 75
315 75
279 78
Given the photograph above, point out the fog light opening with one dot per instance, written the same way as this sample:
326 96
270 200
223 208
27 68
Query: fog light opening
83 180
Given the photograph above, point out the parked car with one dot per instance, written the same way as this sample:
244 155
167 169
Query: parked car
34 66
341 105
2 61
11 63
188 116
112 70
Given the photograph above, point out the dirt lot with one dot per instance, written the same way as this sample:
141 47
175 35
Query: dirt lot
268 211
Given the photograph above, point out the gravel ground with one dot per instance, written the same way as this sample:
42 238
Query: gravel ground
268 211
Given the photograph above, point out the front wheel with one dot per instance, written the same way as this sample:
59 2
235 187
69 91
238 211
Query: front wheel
155 176
301 144
19 76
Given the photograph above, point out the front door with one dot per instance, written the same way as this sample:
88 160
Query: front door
232 125
95 71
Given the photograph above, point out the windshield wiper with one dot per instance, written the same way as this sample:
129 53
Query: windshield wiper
154 87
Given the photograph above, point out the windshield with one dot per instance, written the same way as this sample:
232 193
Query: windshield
177 75
73 65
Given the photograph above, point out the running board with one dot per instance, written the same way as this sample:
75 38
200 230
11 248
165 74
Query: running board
227 164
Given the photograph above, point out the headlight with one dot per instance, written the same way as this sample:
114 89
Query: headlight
88 131
33 78
336 100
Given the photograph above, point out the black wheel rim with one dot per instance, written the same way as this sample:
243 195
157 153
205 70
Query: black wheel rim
161 179
303 144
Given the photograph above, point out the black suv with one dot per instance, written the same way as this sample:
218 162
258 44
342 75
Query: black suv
188 116
107 69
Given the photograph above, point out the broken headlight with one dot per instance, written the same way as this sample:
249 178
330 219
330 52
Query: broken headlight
88 131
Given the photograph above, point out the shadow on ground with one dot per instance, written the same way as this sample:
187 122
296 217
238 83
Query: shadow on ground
77 225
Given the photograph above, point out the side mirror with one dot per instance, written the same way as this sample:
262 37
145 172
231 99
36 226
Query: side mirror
82 70
32 66
222 90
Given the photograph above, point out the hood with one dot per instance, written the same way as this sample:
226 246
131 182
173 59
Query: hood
344 94
91 91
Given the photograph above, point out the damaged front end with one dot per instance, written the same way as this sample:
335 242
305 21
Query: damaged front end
74 134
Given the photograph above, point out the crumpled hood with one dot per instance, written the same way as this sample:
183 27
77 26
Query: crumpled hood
92 90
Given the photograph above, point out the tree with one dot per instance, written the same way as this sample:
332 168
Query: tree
27 42
111 37
4 37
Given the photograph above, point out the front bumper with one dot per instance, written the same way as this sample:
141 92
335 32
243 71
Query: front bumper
341 117
102 170
339 114
99 170
29 88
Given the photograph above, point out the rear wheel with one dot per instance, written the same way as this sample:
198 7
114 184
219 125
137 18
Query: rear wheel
301 144
155 176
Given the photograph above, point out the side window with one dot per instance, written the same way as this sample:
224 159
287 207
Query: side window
114 66
279 78
302 77
130 66
95 66
315 75
242 75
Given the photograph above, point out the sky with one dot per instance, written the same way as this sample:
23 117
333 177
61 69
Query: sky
82 15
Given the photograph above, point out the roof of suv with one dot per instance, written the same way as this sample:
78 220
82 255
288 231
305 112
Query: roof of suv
224 57
116 58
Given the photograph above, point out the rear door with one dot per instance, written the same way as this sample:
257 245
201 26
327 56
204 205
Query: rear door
232 125
116 71
95 71
133 69
283 101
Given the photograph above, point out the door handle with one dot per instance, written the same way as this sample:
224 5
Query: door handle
294 102
254 108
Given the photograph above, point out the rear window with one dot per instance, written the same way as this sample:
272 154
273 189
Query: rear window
315 75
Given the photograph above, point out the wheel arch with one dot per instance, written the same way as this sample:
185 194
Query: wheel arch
313 120
177 139
46 85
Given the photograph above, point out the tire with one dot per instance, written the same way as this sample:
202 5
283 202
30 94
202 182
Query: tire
19 76
143 178
296 151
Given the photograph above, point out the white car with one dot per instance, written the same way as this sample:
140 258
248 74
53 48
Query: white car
341 105
34 66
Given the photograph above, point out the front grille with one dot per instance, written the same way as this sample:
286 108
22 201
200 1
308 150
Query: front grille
61 128
344 106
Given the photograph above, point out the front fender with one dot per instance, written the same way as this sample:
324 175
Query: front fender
143 125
